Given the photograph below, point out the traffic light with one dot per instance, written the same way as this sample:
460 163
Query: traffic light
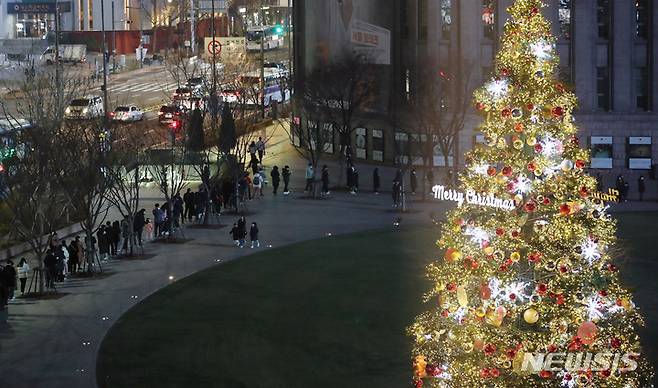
278 29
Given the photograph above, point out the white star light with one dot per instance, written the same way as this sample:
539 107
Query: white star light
551 146
542 49
478 235
522 185
497 88
590 251
518 289
480 169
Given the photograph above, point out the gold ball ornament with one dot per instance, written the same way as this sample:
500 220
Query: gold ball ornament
502 143
462 297
468 347
531 316
515 257
531 141
517 144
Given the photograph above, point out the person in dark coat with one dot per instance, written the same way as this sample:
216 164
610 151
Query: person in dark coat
103 237
138 225
9 273
74 255
396 192
276 179
50 262
253 235
188 202
375 181
235 234
286 179
413 181
641 187
115 236
619 185
325 180
242 230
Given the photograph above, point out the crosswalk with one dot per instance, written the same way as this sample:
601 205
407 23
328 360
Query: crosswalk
140 87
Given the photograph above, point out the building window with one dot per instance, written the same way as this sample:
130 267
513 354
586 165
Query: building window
601 152
641 18
564 17
603 18
407 84
328 136
404 19
446 18
401 148
642 88
639 153
603 88
378 145
361 143
489 18
422 19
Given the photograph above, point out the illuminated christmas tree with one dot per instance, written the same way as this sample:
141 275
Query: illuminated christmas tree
527 295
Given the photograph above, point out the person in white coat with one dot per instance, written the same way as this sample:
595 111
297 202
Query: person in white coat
23 272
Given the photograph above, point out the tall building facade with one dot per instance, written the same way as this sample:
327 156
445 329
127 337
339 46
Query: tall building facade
608 51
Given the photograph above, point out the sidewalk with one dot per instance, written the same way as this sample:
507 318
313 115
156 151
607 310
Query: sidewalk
53 343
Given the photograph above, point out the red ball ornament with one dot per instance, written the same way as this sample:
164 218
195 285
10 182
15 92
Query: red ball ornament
505 72
615 343
418 383
565 209
546 201
559 299
605 373
532 166
575 141
612 267
545 374
506 113
542 288
511 353
433 370
445 313
451 287
485 291
552 348
530 107
515 233
489 349
500 231
507 171
495 373
491 171
530 206
580 164
534 257
538 148
480 106
603 293
518 127
485 373
558 111
564 269
512 297
584 192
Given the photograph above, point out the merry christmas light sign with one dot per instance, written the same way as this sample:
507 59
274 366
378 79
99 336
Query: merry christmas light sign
472 198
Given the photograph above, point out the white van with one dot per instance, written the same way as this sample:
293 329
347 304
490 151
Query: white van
86 108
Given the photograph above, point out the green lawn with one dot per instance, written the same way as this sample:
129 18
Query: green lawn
326 313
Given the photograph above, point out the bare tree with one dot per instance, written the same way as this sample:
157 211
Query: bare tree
82 175
437 113
125 168
343 91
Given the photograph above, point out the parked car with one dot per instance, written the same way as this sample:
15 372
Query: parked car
86 108
74 53
168 114
127 114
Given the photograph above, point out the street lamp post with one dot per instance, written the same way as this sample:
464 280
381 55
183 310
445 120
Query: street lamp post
262 62
104 49
114 41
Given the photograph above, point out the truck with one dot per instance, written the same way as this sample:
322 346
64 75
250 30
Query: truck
73 53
